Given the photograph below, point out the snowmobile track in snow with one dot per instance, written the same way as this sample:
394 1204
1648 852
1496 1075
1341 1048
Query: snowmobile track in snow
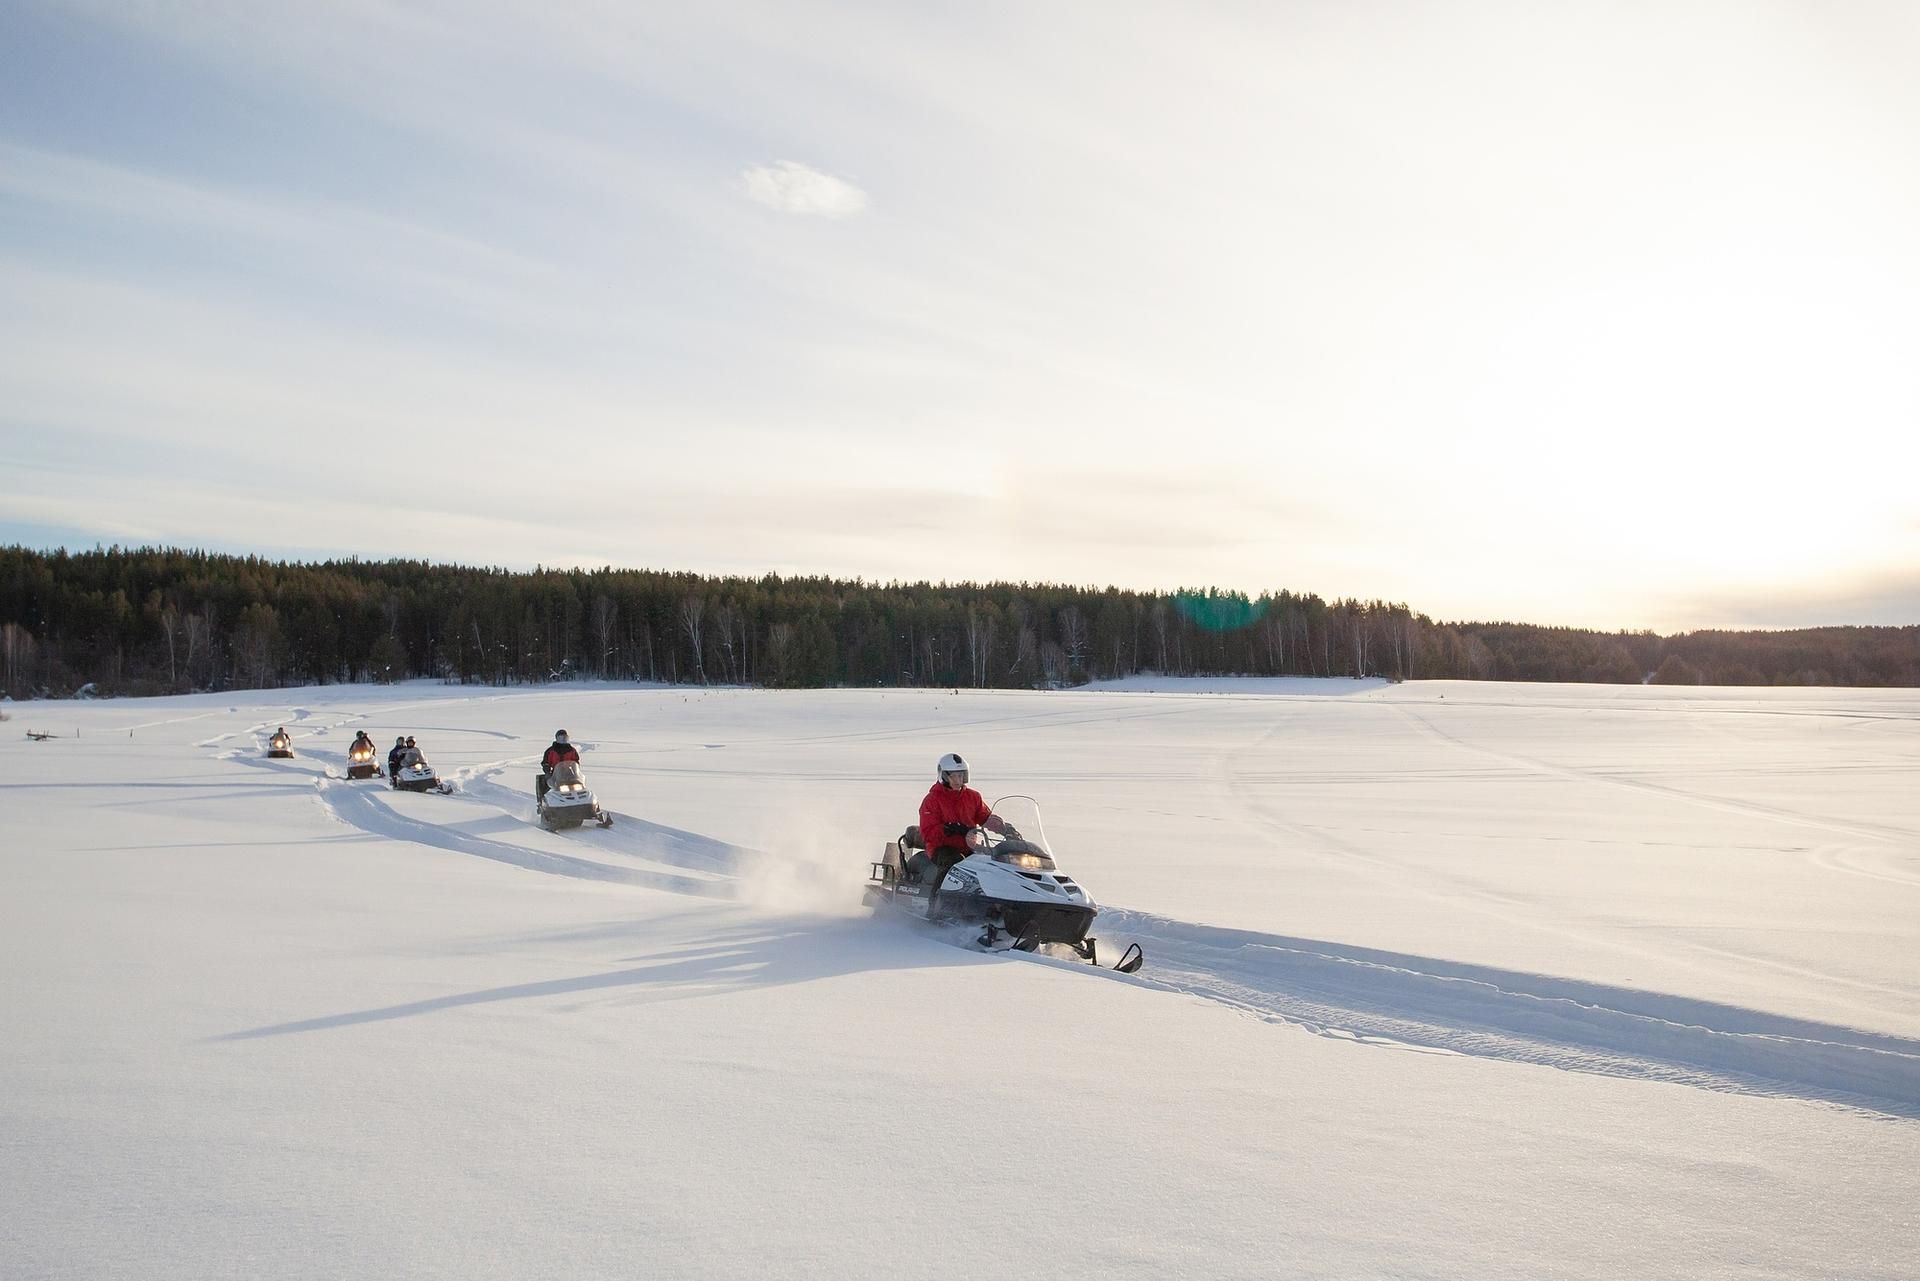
368 807
1421 1002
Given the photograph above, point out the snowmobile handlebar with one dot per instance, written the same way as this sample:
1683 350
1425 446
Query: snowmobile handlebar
977 837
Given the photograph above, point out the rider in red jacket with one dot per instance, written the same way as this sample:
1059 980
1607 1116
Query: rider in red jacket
950 810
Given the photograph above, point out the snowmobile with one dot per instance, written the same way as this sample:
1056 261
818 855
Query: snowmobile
561 799
415 775
1008 885
360 762
280 746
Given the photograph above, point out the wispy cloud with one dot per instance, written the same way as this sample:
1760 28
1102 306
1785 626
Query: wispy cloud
794 188
1402 356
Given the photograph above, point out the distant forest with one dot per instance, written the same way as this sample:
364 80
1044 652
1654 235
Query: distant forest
152 621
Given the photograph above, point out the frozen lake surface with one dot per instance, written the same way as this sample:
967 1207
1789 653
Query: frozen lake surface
1443 980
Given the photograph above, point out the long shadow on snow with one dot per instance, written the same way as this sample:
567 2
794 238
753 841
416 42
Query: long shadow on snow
303 842
682 848
158 787
1336 988
223 789
630 836
297 766
354 803
363 808
773 955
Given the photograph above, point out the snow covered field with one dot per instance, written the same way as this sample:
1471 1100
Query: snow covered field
1443 980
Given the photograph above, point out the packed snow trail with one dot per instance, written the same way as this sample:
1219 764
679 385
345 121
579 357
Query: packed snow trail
1333 989
401 816
486 823
1363 994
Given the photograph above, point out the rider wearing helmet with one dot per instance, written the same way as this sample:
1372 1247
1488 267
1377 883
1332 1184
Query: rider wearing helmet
952 809
562 749
411 755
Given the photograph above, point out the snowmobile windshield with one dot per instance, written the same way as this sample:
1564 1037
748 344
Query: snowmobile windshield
1023 843
279 740
564 773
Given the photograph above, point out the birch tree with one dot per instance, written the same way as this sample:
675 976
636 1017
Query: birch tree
693 608
980 626
726 619
1074 638
199 632
605 613
16 658
170 624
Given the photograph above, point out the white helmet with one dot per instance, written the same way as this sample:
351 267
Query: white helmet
950 765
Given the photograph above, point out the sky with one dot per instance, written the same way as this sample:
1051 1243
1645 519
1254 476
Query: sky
1589 314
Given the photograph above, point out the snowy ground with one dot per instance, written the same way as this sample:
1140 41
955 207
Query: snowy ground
1443 980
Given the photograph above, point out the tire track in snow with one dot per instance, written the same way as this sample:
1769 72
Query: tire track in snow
1830 857
370 811
1049 718
351 715
370 806
656 842
1844 827
1363 994
1840 859
1235 786
1329 846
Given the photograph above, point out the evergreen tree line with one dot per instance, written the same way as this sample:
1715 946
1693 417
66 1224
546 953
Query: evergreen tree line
149 620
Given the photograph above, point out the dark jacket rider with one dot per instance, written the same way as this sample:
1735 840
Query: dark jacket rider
562 749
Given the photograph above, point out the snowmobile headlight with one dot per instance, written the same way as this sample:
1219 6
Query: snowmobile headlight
1031 862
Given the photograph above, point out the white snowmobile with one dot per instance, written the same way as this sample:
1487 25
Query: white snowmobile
1008 885
360 762
415 775
561 799
280 746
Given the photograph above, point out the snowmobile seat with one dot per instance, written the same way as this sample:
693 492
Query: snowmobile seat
913 866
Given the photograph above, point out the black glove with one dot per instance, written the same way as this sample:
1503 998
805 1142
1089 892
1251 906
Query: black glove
956 829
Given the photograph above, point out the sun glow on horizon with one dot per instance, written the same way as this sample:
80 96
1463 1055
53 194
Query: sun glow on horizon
1523 313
